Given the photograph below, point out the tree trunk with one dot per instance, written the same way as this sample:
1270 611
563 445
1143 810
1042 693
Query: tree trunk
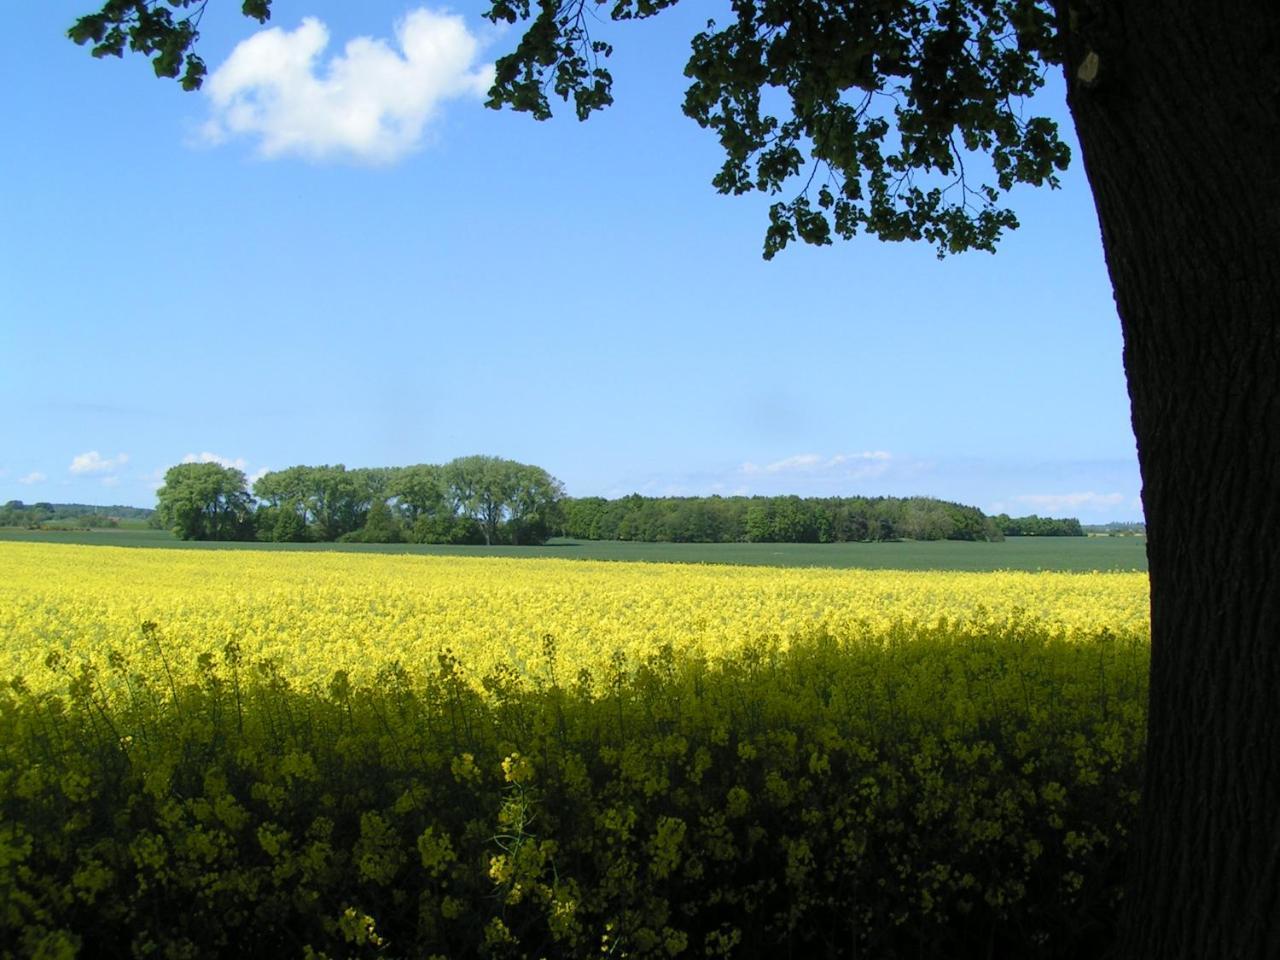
1178 112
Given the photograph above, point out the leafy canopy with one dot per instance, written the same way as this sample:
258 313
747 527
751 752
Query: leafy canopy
150 27
867 112
205 501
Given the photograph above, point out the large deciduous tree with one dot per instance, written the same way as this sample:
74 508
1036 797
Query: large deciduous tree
902 118
532 496
205 501
503 496
331 499
419 490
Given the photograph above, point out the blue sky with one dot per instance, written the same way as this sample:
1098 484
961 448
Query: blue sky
384 272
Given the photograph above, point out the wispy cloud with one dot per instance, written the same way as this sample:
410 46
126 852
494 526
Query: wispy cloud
869 463
1066 502
371 103
800 462
32 478
206 457
91 463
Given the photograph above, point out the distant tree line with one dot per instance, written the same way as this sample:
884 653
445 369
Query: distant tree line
1034 526
773 519
489 500
1117 529
474 499
15 513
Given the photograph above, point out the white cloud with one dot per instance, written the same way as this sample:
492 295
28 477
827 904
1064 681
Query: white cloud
257 475
869 463
1061 502
370 103
871 455
34 477
207 457
93 463
801 461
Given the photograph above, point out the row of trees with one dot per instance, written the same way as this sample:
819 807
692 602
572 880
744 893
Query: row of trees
1034 526
15 513
773 519
473 499
489 500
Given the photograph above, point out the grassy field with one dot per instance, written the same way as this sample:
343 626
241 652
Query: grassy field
1016 553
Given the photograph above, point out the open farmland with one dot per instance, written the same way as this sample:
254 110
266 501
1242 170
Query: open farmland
1084 554
295 754
316 613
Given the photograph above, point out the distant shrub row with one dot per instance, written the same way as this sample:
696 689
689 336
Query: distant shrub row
950 793
15 513
1117 529
1034 526
773 519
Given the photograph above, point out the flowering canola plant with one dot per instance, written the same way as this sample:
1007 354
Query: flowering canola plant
318 613
266 754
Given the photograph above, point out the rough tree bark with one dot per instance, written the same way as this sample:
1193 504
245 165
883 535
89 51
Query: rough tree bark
1187 187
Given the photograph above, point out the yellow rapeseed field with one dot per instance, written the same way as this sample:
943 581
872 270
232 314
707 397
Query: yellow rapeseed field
317 613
